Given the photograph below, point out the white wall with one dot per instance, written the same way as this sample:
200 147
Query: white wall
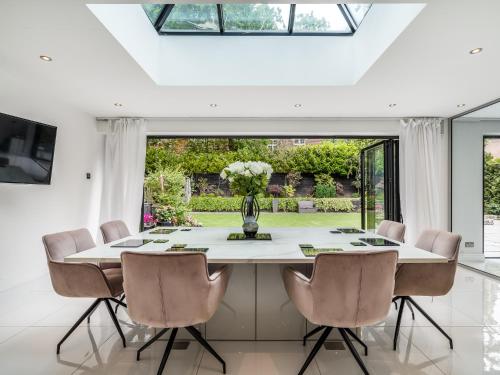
467 181
71 201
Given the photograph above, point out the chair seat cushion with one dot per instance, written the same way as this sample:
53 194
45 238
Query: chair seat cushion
106 265
115 280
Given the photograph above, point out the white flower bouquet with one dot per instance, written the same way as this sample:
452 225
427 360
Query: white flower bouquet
247 178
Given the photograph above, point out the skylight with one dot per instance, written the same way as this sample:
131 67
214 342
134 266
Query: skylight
256 19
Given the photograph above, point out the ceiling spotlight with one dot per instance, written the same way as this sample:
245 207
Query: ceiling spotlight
475 51
213 105
45 58
392 105
460 105
298 105
118 105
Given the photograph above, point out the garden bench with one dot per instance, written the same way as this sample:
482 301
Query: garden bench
307 207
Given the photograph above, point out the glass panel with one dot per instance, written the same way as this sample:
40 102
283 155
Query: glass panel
491 196
374 187
192 17
358 11
256 17
153 11
319 18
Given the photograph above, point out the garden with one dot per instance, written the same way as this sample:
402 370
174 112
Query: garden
311 182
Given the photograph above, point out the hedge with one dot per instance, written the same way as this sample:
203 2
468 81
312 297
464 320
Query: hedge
233 204
339 157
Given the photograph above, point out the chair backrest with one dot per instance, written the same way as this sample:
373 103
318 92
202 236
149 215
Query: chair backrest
430 279
114 230
392 229
167 289
59 245
353 289
73 279
440 242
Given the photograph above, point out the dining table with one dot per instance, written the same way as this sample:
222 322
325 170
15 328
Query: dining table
256 306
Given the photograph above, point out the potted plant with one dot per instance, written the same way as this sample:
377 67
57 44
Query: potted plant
275 190
168 216
248 179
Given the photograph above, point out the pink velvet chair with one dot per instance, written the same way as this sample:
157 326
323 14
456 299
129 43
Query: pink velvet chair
346 290
392 229
113 231
172 291
427 279
81 279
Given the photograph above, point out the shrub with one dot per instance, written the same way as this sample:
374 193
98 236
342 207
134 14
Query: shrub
324 179
293 179
334 204
165 187
288 191
325 191
275 190
233 204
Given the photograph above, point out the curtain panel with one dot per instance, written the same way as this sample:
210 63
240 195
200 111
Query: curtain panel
422 175
124 164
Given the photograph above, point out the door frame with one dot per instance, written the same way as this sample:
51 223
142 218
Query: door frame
392 205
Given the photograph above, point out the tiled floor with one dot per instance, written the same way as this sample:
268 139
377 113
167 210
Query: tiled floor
33 319
488 265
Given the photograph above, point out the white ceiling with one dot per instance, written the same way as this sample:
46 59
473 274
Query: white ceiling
427 71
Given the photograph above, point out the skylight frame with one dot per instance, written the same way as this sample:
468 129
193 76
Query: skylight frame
167 8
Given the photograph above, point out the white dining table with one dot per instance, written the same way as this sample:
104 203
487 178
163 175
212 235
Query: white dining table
282 249
256 305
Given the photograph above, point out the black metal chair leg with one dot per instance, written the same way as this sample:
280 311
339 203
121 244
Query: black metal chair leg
85 314
398 323
152 340
315 349
167 351
313 332
115 321
431 320
355 337
353 350
411 310
118 303
90 314
197 335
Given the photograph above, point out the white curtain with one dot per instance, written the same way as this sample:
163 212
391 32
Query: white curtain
124 163
422 175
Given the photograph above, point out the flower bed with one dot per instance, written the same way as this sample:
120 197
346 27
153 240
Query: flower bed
233 204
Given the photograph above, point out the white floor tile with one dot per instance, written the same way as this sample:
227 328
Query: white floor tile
476 349
257 357
33 351
381 359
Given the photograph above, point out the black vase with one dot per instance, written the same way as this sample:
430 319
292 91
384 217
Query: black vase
250 213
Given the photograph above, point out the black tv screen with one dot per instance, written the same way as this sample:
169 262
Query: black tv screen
26 150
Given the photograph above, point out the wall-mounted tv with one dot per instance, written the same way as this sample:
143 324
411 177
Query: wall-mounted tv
26 150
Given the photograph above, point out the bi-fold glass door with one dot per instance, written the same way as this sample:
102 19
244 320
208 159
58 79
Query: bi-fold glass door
379 184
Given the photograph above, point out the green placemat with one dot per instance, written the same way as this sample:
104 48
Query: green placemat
187 250
160 241
162 231
242 237
309 251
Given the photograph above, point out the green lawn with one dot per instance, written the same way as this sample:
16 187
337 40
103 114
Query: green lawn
285 219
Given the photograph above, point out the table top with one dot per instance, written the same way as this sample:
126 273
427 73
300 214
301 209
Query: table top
283 248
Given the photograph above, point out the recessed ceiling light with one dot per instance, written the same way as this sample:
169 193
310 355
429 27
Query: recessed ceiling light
45 58
392 105
475 51
298 105
118 105
213 105
460 105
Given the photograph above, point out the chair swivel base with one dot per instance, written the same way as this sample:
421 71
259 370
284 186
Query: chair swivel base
89 311
411 301
348 330
194 332
344 332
